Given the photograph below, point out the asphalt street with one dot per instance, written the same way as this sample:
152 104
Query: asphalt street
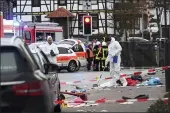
110 93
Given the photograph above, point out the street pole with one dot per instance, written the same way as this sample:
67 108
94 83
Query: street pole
142 25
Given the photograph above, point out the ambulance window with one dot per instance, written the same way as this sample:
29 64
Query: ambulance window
27 35
63 50
77 48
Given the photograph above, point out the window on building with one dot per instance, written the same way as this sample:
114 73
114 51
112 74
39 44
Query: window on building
95 22
36 18
62 2
80 20
36 3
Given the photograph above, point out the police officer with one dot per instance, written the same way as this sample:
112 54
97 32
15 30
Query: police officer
98 57
105 53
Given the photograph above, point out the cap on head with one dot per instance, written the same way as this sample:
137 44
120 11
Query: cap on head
98 43
104 44
49 38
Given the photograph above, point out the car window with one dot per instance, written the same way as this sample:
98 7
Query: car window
77 48
62 50
12 61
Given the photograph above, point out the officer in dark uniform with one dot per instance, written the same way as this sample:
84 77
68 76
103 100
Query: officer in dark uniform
105 54
98 57
95 48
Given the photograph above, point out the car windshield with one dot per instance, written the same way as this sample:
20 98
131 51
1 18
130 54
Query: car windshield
67 42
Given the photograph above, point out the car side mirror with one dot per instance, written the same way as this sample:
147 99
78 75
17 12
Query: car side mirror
49 67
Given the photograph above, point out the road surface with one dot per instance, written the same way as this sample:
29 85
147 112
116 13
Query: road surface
111 93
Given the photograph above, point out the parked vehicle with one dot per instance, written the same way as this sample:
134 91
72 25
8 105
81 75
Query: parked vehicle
78 47
67 59
34 32
24 86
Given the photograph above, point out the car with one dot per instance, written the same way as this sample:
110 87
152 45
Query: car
67 59
78 47
24 86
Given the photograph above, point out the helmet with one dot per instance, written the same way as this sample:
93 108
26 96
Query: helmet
104 44
98 43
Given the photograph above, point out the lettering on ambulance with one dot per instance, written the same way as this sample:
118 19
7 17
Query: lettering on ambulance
62 59
66 59
81 55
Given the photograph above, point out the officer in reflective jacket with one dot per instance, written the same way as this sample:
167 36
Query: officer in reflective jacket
98 57
89 56
105 54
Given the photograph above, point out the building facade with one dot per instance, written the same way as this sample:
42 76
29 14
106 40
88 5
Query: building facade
106 18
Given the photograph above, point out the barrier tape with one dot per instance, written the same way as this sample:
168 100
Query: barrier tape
110 101
153 70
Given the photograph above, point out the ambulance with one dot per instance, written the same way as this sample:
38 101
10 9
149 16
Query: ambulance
35 32
78 47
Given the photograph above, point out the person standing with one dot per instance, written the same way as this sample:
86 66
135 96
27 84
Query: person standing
98 57
114 58
105 54
89 56
51 50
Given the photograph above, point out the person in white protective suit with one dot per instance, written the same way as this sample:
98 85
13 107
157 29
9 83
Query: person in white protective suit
51 50
114 49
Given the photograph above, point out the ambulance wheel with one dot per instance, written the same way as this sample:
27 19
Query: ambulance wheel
72 66
78 67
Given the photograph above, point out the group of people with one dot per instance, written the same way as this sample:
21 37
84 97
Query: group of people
101 55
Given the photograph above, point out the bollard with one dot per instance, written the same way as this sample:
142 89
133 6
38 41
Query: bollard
167 61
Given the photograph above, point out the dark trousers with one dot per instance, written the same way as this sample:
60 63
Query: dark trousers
102 64
98 65
89 63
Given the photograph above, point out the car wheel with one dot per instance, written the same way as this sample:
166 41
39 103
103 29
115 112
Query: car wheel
78 67
72 66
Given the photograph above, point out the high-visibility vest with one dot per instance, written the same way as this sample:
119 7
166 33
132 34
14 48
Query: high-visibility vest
98 53
91 53
105 53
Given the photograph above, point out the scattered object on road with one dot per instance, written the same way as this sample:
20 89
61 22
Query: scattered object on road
97 85
137 97
106 84
78 100
83 96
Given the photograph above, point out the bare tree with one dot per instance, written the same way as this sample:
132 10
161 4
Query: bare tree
126 14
